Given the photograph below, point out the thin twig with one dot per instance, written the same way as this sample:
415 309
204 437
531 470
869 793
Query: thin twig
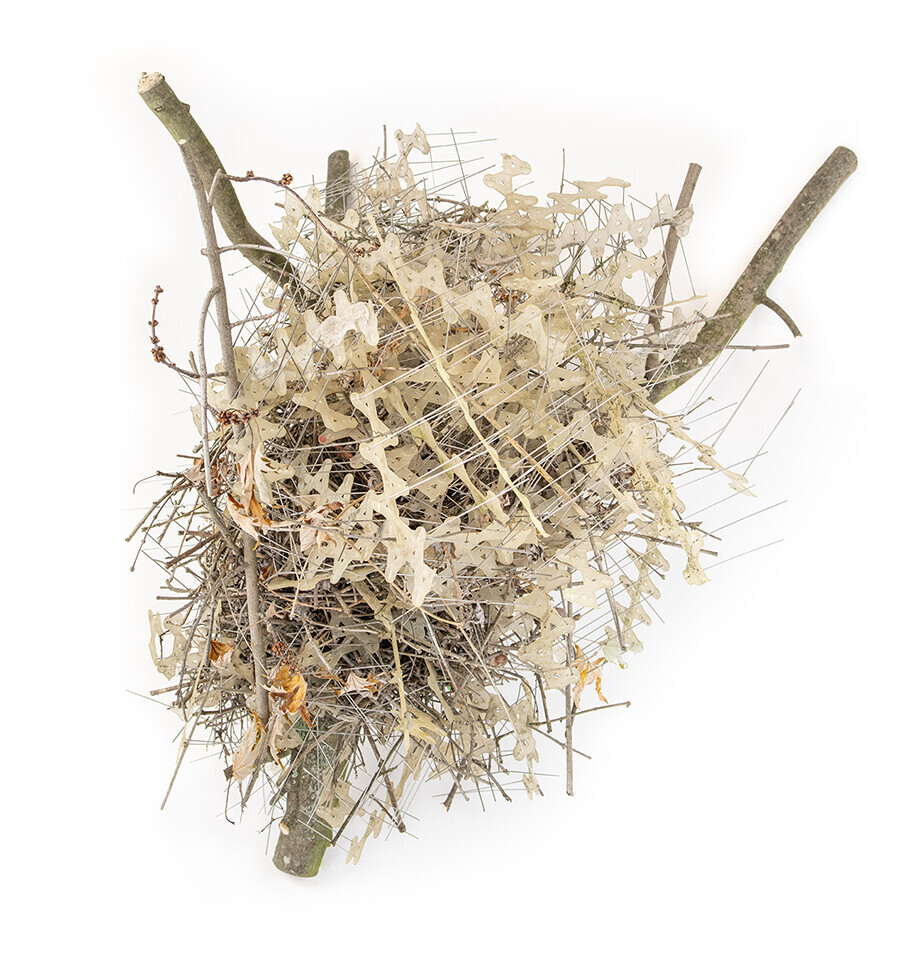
671 245
577 713
203 385
250 565
786 319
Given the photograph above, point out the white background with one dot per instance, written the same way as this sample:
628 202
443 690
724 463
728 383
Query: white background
751 802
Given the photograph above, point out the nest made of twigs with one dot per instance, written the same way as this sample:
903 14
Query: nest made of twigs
444 450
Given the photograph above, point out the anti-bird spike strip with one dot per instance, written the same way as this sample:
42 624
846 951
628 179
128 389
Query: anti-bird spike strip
438 451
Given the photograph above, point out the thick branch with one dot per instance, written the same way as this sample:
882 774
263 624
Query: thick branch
337 189
175 116
304 837
750 289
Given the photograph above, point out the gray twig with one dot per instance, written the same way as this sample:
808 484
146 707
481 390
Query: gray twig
250 565
671 247
765 265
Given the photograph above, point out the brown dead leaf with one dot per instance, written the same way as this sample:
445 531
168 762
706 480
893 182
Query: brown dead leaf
356 684
589 672
196 473
246 469
251 520
220 653
291 688
247 753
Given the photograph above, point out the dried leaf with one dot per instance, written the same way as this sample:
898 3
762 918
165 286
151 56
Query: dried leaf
278 726
291 688
589 671
221 653
251 743
251 520
356 684
311 533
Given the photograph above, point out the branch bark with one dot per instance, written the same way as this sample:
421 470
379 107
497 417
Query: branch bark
337 188
304 837
750 288
181 125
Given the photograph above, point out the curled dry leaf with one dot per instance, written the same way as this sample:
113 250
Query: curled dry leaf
362 685
589 671
290 687
196 473
221 652
251 519
312 532
247 753
278 725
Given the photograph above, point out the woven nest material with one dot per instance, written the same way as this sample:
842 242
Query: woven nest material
445 453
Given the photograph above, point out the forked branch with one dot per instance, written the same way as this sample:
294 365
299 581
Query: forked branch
181 125
751 287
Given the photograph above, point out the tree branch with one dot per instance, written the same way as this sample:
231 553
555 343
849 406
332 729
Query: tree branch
304 837
337 189
750 288
250 563
181 125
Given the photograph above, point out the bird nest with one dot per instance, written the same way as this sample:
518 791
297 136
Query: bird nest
457 492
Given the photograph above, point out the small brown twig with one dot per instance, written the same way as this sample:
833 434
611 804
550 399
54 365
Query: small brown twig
786 319
313 215
157 351
577 713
